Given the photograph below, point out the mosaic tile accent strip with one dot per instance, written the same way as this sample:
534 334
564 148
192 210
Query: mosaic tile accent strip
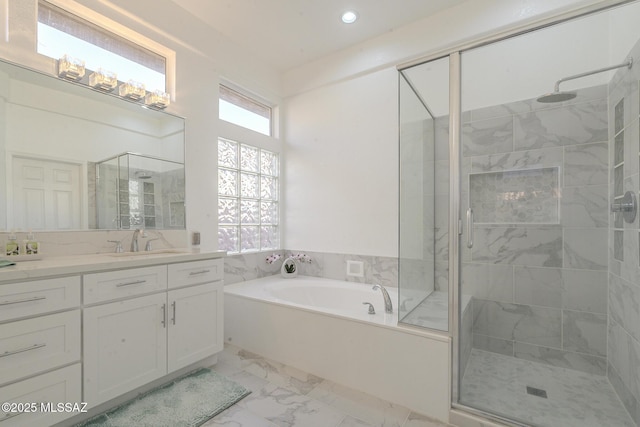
528 196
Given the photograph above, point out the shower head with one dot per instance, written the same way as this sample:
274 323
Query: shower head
556 97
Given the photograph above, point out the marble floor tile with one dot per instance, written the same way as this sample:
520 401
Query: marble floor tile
498 383
285 408
360 405
282 396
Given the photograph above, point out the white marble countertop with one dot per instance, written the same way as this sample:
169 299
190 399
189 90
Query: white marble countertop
80 264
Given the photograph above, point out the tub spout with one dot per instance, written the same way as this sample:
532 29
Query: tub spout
388 307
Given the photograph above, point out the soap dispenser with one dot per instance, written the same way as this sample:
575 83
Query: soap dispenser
12 247
31 246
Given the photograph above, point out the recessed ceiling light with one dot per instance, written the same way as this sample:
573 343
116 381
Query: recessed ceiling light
349 17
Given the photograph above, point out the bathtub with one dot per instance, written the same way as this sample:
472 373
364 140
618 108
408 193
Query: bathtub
321 326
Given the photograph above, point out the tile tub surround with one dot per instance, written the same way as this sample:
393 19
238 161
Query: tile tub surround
377 269
623 344
538 268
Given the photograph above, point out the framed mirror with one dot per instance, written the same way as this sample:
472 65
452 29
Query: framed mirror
75 158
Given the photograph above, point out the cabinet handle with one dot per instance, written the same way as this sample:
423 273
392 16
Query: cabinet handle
164 315
135 282
22 300
22 350
193 273
173 305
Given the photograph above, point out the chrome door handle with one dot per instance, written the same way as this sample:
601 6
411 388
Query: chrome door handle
469 228
193 273
164 315
173 306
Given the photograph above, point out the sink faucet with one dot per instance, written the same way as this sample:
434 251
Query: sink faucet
134 240
388 307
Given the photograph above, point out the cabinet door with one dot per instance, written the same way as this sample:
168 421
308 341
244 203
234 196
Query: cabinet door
195 324
125 346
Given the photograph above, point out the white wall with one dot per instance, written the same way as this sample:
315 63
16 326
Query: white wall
342 167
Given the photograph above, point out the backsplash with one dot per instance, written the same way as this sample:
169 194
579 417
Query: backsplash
65 243
376 269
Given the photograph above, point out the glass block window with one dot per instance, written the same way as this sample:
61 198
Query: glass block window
248 206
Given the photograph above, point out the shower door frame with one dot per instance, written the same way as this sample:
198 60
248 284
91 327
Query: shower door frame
456 228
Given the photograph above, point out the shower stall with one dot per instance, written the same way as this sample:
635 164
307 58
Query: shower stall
518 208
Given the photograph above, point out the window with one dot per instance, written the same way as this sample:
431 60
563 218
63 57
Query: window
244 111
60 33
248 209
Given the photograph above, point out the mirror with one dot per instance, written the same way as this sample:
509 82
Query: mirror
76 158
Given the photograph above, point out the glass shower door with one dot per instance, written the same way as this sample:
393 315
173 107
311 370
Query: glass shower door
543 339
424 195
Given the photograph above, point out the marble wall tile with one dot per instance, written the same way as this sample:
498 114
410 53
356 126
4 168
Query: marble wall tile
585 290
488 281
243 267
466 338
487 136
565 125
494 345
538 286
335 267
584 332
586 164
516 196
531 246
584 248
528 324
627 398
539 158
384 271
624 304
585 206
631 149
442 277
561 358
618 351
618 245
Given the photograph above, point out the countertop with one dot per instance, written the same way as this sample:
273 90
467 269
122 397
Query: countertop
81 264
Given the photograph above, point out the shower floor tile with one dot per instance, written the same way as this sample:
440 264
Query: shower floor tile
497 383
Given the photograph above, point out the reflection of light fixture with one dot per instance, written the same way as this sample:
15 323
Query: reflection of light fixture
157 99
349 17
103 80
70 68
132 90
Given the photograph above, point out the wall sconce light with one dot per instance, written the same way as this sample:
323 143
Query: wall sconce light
103 80
132 90
157 99
70 68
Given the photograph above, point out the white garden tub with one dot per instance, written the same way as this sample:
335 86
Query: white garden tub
321 326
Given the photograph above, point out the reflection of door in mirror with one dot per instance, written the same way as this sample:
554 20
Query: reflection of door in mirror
46 194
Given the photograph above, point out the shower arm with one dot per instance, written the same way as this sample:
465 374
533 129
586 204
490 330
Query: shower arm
627 64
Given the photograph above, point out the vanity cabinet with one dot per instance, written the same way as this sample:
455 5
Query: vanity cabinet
141 337
40 347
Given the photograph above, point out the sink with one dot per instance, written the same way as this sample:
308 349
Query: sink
149 253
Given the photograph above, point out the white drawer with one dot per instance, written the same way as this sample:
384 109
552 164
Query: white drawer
39 344
60 386
195 272
38 296
111 285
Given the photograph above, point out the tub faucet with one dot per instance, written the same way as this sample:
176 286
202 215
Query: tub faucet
388 307
134 239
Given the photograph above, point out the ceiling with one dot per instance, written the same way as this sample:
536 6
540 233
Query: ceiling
289 33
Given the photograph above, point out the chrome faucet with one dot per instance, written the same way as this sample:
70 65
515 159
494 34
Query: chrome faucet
388 307
134 240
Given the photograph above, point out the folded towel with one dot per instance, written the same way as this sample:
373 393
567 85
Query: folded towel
6 263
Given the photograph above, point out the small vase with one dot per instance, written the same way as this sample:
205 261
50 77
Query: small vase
289 268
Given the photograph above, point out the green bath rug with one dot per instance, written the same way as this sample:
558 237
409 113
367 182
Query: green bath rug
187 401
